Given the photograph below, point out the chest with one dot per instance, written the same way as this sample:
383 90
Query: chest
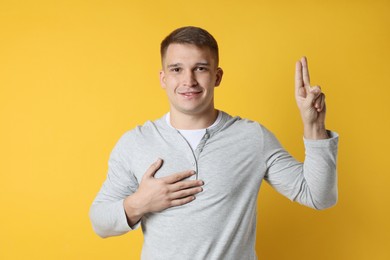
226 164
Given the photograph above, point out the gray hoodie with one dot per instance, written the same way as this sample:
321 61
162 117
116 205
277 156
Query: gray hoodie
232 159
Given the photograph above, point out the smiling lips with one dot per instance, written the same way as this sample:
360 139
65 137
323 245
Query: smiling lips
190 94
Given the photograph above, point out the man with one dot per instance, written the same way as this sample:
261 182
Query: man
191 178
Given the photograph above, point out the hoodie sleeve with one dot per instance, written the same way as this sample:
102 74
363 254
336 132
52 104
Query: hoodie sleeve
107 212
312 183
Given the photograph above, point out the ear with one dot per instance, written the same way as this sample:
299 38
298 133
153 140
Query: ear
162 79
219 77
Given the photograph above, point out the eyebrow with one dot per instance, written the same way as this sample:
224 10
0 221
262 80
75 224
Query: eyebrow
203 63
175 65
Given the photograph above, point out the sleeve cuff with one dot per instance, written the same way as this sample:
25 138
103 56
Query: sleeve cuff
331 141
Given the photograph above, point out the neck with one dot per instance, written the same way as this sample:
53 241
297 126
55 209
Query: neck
192 122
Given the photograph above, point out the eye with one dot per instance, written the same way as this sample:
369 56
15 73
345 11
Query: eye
201 68
175 69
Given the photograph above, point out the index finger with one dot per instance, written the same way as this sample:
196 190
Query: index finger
298 77
177 176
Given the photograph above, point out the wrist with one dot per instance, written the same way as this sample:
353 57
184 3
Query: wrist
134 211
315 131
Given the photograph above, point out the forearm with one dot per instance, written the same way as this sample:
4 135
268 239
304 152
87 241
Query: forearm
320 171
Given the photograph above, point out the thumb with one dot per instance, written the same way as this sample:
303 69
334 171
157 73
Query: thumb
312 94
153 168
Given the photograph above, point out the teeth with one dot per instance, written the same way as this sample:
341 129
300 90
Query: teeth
189 94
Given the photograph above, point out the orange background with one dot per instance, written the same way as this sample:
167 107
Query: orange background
75 75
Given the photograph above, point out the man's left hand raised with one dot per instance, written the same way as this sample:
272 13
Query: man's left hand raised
311 103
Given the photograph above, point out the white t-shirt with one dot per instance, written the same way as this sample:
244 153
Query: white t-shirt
193 137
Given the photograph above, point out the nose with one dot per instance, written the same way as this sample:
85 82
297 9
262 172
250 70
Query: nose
189 79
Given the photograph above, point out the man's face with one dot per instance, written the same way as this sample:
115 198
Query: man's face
189 76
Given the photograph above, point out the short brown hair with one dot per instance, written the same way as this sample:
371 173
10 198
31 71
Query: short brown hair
190 35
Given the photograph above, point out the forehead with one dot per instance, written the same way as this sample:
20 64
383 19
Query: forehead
187 53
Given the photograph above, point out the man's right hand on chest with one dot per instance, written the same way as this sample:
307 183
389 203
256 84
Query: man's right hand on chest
157 194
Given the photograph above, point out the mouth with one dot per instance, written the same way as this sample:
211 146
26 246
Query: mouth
191 94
